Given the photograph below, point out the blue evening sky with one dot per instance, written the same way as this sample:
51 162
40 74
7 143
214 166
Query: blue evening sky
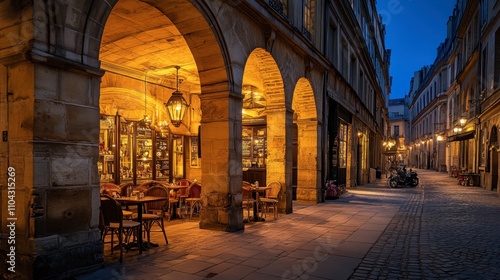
414 30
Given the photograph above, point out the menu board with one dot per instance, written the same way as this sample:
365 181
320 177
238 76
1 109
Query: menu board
260 142
254 146
246 142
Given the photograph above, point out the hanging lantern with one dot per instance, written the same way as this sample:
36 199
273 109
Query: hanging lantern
176 104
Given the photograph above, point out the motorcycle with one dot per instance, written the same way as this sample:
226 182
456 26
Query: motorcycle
401 178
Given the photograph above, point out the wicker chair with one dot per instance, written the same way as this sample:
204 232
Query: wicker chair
271 199
194 198
247 201
111 222
154 212
182 194
110 189
115 190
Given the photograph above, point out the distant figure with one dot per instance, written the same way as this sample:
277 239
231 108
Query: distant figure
387 168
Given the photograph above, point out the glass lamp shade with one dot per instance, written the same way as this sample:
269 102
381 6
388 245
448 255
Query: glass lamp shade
176 107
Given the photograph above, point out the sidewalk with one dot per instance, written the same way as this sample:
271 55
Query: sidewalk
323 241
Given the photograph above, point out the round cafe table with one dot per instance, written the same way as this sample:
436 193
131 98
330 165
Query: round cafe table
133 200
256 191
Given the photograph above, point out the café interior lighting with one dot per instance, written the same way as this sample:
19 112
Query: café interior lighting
176 104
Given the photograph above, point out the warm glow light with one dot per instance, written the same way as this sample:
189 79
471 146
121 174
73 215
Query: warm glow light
439 138
462 121
176 105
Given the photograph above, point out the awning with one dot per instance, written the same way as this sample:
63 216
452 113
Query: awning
462 136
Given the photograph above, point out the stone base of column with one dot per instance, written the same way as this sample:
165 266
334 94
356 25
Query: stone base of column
216 218
308 196
59 264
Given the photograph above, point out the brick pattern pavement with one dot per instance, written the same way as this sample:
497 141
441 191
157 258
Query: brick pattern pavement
443 231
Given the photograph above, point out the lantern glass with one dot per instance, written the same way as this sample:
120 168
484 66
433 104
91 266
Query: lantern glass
176 107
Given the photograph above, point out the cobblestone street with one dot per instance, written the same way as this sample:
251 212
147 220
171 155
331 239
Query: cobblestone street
439 230
442 231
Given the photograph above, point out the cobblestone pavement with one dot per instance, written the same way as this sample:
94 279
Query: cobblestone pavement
442 231
439 230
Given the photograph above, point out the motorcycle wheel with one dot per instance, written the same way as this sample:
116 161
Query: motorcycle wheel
393 183
414 182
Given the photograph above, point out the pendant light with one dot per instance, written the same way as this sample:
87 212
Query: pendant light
176 104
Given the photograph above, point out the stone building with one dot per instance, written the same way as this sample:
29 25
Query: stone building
396 144
459 98
82 91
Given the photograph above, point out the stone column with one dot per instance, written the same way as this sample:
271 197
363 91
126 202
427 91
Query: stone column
221 161
279 153
53 126
308 173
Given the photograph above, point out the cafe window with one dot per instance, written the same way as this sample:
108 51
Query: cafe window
254 146
194 159
130 151
343 145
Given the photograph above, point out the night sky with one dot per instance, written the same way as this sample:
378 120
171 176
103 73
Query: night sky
414 30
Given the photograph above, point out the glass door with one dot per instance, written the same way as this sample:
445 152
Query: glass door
106 162
162 156
143 153
126 151
178 156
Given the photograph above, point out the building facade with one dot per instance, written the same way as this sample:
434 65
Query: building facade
396 144
455 111
293 90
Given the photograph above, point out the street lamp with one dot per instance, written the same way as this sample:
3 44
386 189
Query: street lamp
176 104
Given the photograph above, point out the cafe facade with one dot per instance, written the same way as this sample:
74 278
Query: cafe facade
271 90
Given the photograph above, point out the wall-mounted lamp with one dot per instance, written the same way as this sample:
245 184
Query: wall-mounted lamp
462 121
439 138
360 134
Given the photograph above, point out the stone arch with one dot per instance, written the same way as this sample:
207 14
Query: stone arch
202 37
57 87
262 71
306 119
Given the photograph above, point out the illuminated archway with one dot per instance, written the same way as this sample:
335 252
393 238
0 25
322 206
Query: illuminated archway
306 119
262 72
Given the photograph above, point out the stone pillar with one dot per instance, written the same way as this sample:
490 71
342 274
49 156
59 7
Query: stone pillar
222 175
308 173
53 126
279 153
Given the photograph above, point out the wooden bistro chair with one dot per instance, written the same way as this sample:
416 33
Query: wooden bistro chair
182 194
113 191
110 189
247 201
270 201
111 222
194 198
154 212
